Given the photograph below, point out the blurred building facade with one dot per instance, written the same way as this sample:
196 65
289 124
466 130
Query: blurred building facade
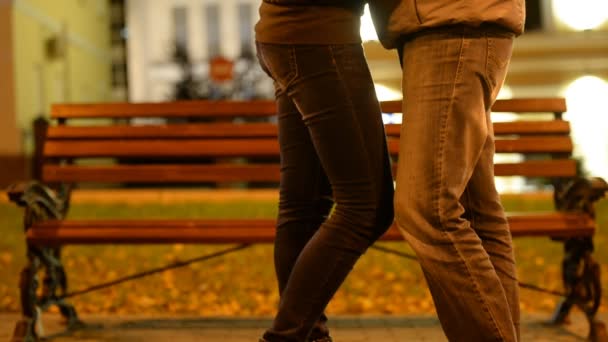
175 43
144 50
564 52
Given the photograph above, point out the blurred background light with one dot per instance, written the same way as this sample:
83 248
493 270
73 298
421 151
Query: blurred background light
385 93
587 100
367 30
581 15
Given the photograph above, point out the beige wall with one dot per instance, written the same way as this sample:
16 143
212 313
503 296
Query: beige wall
31 78
10 144
12 163
80 71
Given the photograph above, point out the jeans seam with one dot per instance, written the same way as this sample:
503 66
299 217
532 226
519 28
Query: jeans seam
469 203
374 183
443 132
317 193
442 136
293 66
472 279
489 47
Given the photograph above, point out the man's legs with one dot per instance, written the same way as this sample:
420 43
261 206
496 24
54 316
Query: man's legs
486 214
445 202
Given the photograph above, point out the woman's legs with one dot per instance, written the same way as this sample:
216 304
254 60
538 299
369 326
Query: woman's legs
313 79
305 198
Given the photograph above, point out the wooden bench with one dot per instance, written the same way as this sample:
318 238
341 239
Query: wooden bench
217 143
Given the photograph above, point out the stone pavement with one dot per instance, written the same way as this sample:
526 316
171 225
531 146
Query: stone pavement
344 329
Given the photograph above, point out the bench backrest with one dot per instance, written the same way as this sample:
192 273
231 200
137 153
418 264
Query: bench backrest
228 141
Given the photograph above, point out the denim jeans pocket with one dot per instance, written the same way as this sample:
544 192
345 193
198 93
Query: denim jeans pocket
279 62
499 50
350 58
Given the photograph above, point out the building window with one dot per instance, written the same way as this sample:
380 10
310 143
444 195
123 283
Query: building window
119 38
180 27
212 18
246 28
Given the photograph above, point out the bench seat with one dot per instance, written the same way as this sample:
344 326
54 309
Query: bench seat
65 232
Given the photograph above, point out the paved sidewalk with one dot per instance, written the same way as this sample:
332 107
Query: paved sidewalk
344 329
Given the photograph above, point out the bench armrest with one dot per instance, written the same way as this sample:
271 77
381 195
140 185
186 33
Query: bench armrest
581 194
36 195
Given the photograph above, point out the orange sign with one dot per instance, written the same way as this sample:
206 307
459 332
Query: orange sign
220 69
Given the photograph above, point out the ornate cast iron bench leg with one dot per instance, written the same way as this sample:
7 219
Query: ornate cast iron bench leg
40 204
581 278
27 326
580 271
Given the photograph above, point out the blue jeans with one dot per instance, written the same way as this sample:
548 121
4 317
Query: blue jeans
333 151
446 203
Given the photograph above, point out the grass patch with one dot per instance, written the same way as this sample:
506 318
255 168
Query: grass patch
243 284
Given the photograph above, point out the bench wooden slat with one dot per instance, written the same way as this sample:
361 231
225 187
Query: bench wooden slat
255 108
162 173
531 105
152 231
215 223
190 173
259 130
554 224
555 220
252 147
209 109
536 144
520 145
532 127
558 127
161 148
181 131
255 230
537 168
153 235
